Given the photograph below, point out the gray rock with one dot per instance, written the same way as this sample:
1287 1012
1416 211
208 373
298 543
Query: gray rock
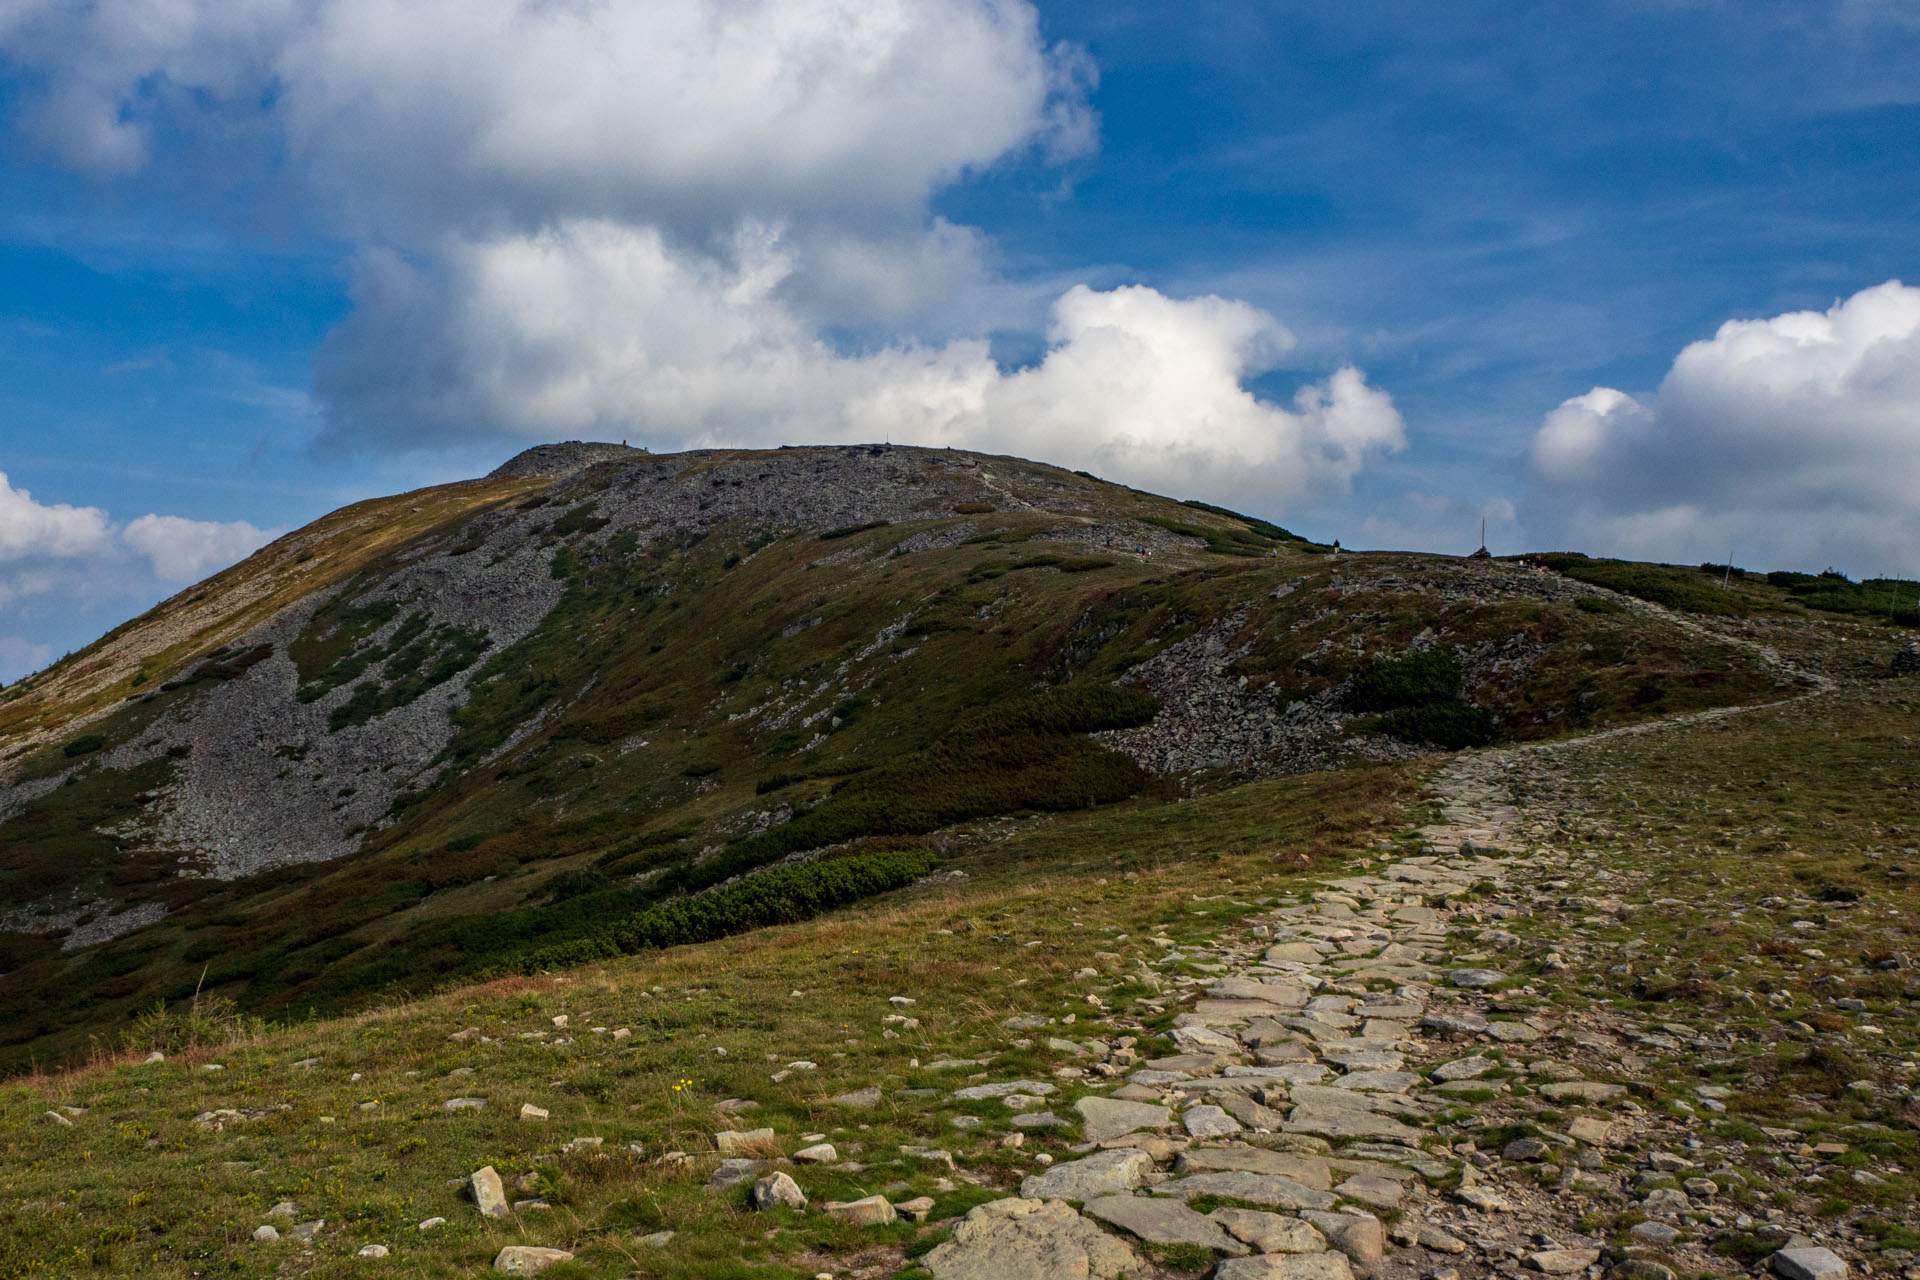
1018 1239
1269 1232
1657 1234
464 1104
1103 1173
1381 1193
734 1171
979 1091
1378 1081
1563 1262
1330 1122
867 1097
1511 1032
656 1239
527 1260
1476 977
1307 1170
1358 1236
1464 1068
308 1230
1209 1122
1814 1263
1641 1269
777 1190
1039 1120
372 1251
1103 1119
1254 1188
1250 1113
265 1233
1363 1059
1454 1023
1665 1202
489 1196
1525 1149
1482 1198
1164 1222
1583 1091
820 1153
1285 1266
868 1211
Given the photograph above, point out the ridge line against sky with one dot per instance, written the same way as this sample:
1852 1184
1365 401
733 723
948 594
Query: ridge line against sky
1626 279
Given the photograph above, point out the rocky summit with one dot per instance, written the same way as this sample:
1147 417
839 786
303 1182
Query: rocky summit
875 862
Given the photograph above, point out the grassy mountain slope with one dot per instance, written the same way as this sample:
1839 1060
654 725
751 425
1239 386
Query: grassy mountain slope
506 724
1082 917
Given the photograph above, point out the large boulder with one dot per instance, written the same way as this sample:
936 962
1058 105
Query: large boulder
489 1195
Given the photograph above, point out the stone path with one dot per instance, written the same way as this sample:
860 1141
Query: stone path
1369 1092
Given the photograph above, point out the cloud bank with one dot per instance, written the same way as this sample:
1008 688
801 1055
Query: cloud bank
56 557
1794 441
684 222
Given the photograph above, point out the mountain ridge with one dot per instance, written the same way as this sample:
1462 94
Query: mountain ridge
428 731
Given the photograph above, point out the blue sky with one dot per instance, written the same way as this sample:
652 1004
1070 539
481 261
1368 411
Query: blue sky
258 260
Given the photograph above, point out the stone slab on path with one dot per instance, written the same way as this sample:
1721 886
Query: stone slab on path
1160 1221
1101 1174
1104 1119
1255 1188
1286 1266
1021 1239
1269 1232
1308 1171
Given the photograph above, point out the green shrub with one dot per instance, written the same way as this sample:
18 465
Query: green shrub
847 531
783 896
87 744
425 662
1024 754
1429 676
1261 527
1454 725
580 519
1668 585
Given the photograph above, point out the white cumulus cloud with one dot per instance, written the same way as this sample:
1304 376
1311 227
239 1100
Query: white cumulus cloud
681 222
1794 441
55 557
181 550
600 325
30 529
